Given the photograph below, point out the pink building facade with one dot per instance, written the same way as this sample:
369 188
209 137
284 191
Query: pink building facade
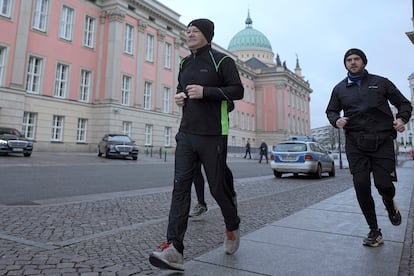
73 70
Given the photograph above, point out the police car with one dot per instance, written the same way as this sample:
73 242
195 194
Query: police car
301 157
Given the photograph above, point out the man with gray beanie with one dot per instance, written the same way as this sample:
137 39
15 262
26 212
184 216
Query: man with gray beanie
370 130
208 82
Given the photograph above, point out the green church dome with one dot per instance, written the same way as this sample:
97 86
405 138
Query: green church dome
249 39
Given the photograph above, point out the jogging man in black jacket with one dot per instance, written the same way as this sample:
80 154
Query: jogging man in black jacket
208 80
370 130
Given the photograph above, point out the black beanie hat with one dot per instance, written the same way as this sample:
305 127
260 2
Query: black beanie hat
357 52
205 26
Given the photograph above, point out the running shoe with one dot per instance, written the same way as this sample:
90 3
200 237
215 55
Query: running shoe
231 241
393 212
168 258
198 210
374 238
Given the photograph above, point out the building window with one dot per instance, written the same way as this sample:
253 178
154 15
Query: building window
149 56
61 80
57 128
66 23
2 64
167 136
5 8
127 128
166 100
167 58
147 95
29 125
89 32
126 90
129 39
85 85
148 135
81 131
233 140
231 123
34 69
40 15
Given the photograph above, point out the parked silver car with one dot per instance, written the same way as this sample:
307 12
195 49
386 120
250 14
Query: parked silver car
301 157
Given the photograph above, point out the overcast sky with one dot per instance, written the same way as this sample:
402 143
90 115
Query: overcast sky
319 32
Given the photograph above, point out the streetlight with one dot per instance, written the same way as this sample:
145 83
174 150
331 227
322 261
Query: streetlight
340 151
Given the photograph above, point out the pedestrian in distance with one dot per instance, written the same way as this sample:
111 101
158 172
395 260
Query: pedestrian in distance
207 81
370 129
263 152
248 149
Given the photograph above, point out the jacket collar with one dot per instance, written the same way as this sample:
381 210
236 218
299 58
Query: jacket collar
202 50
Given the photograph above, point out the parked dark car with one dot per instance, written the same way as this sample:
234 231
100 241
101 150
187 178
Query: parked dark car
12 141
301 157
118 145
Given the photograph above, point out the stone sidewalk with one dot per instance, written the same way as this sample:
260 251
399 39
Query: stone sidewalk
112 234
323 239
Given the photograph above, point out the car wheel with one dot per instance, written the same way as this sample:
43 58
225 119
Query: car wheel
27 154
332 172
107 154
99 152
277 174
318 173
134 157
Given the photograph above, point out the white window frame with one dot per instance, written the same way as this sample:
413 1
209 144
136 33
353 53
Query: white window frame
5 8
126 90
66 23
166 99
148 135
127 128
34 74
81 130
3 53
167 136
40 15
231 119
168 54
149 53
57 128
147 95
89 32
85 85
129 39
247 121
61 80
29 125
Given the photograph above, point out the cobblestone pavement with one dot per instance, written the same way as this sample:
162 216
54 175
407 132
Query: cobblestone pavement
113 234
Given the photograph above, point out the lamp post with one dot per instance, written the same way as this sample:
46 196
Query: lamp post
340 150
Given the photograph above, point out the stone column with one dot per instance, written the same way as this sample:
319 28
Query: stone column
116 17
19 61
